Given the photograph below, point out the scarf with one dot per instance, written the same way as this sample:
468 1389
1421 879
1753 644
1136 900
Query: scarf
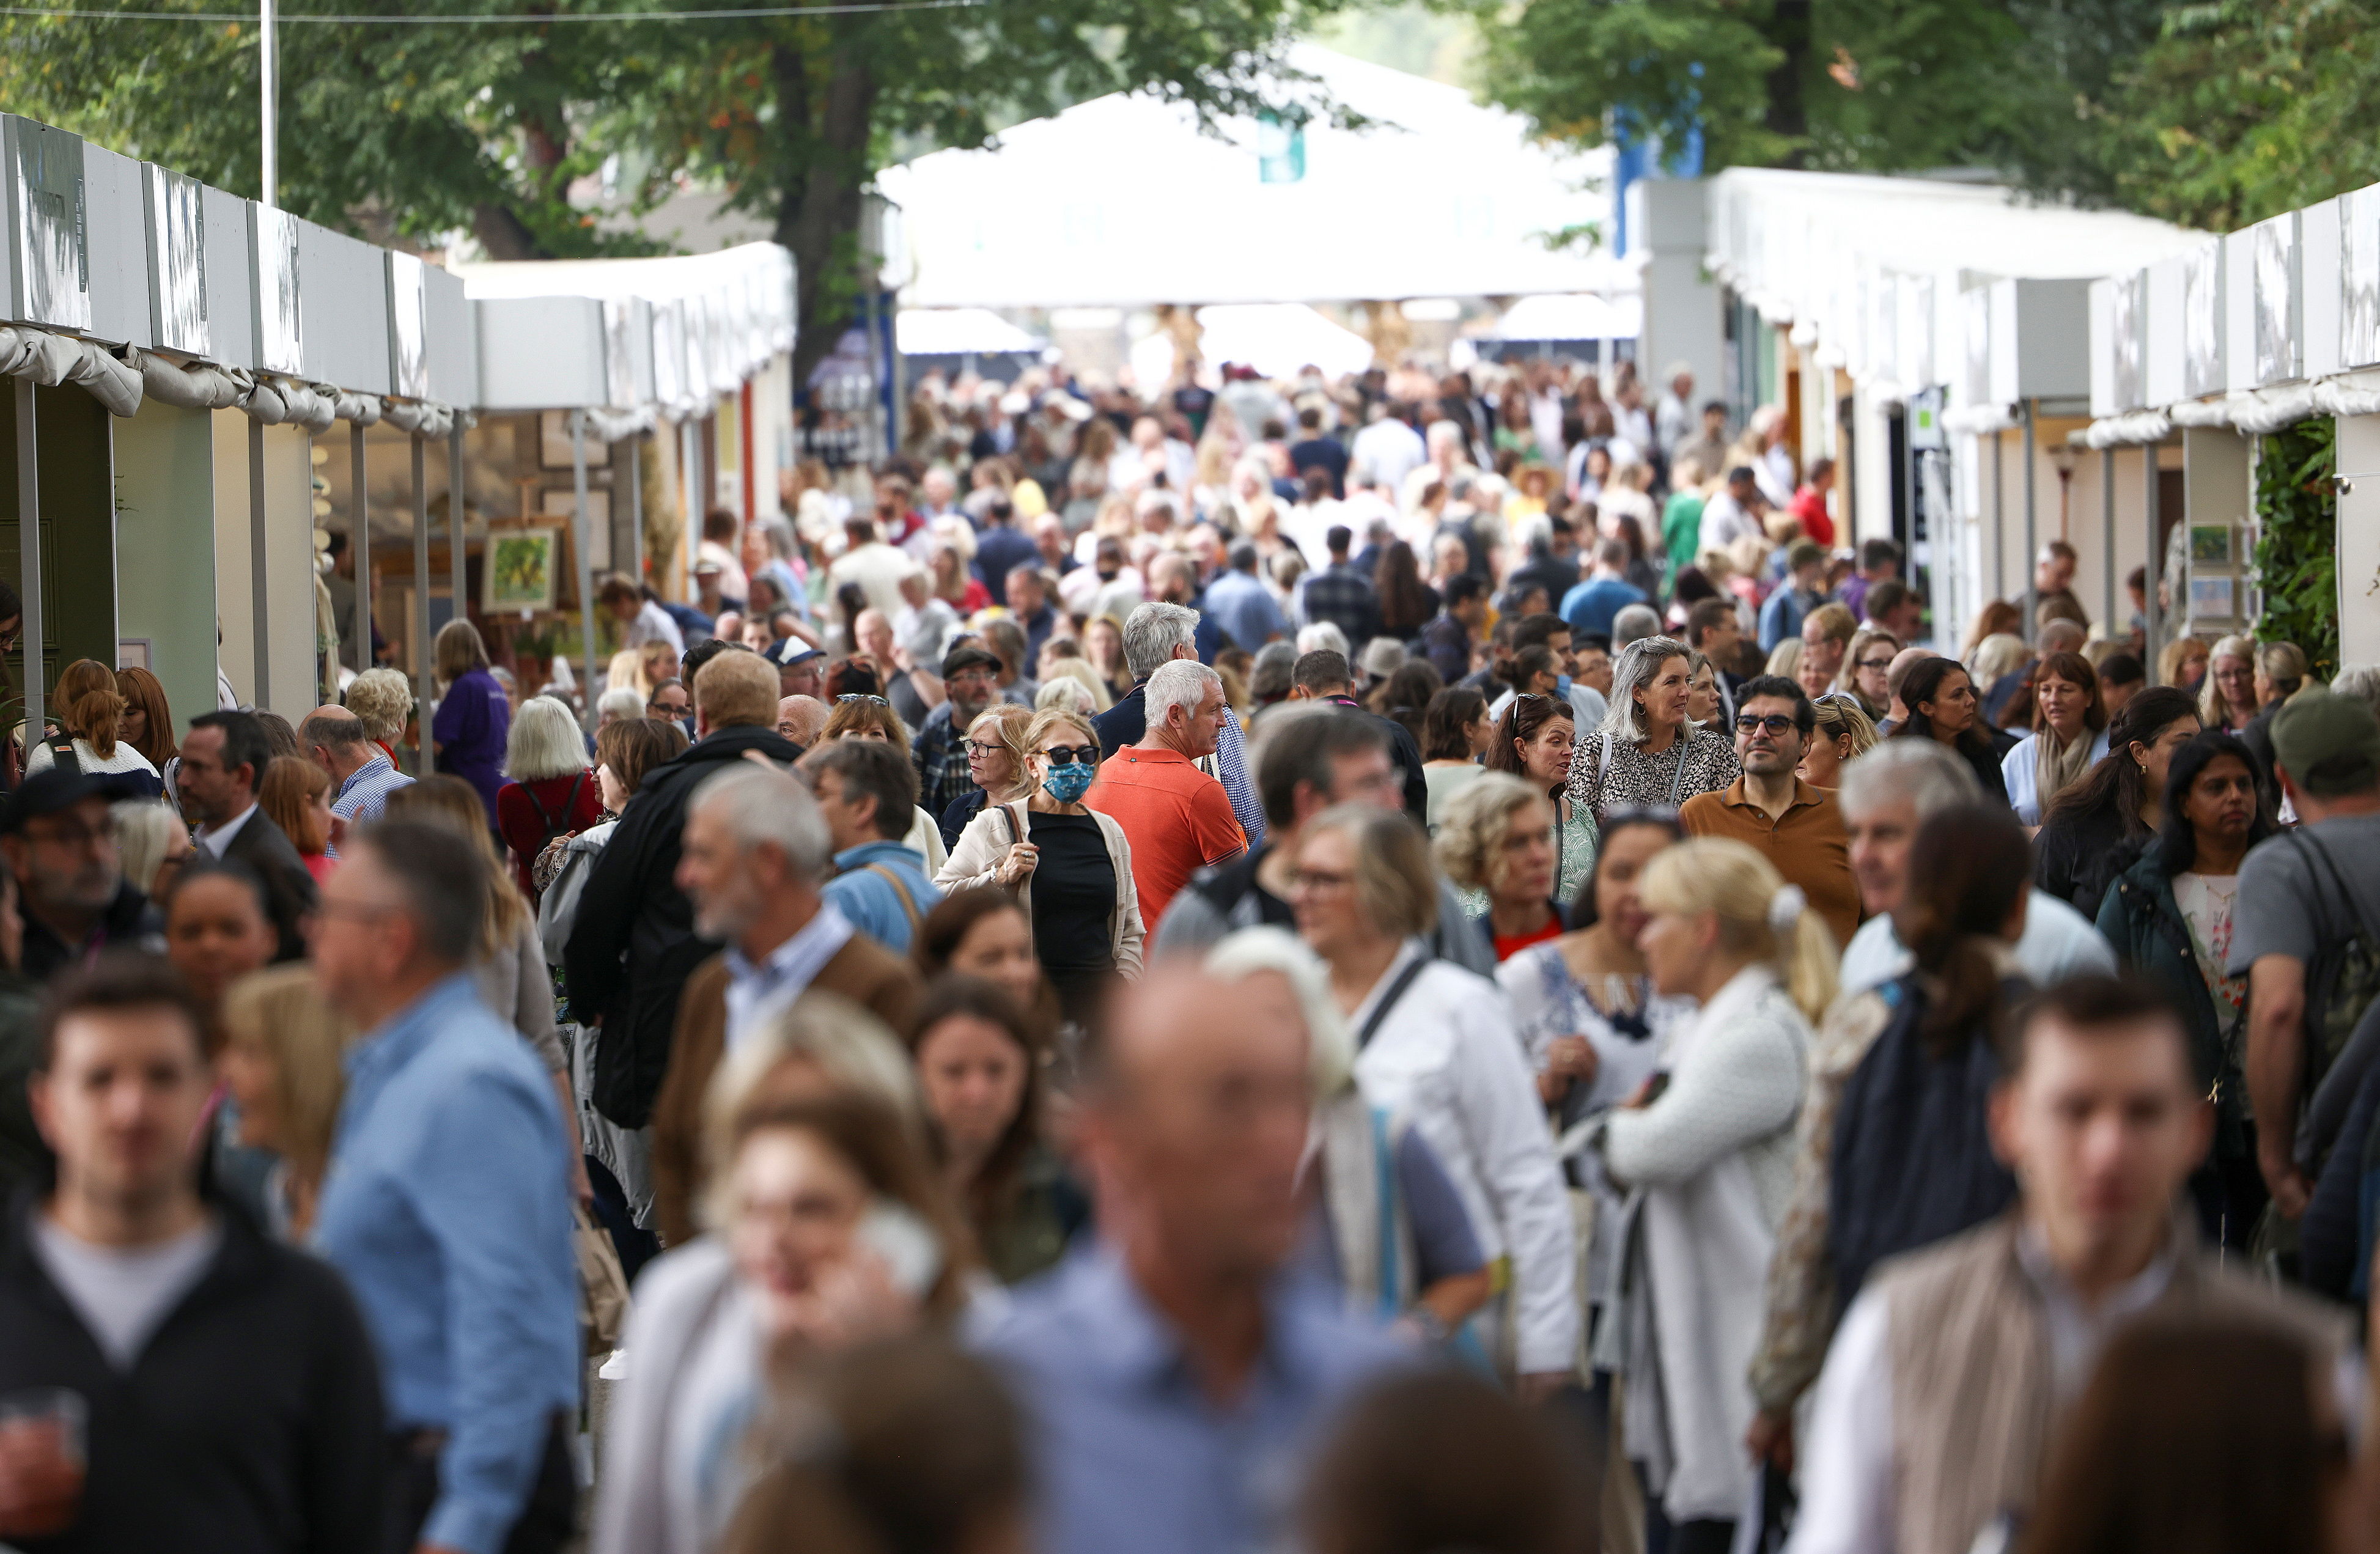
2055 769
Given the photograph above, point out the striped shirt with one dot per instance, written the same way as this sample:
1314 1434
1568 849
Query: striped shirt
365 793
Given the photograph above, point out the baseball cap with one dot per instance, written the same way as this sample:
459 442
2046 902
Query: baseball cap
787 652
967 655
2328 744
46 792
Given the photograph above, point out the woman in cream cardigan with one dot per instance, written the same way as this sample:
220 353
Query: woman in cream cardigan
1707 1164
1069 865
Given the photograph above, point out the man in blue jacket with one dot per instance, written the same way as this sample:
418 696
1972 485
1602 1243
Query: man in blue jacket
869 797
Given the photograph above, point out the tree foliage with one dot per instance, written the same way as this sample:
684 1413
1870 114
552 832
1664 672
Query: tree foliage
423 129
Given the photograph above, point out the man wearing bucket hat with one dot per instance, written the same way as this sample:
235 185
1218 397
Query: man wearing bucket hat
2304 896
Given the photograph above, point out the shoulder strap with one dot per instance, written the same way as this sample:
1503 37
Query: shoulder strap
2304 837
570 806
1381 1010
1677 778
908 902
62 751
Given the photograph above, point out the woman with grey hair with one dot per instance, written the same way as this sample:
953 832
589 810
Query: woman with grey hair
1647 753
2361 681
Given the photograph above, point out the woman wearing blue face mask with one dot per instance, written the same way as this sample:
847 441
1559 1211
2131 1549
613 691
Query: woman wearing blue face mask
1068 865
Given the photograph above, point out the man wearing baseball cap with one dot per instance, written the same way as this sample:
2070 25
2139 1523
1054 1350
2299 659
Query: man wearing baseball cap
971 676
801 668
2301 892
59 840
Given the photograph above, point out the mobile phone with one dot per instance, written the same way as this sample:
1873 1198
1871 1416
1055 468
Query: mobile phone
912 1252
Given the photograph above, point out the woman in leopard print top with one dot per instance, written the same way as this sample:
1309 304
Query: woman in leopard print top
1656 759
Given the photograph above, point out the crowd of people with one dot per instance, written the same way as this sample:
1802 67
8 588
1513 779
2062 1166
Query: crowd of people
1419 964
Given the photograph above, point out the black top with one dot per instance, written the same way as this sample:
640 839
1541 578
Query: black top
289 891
127 920
1074 894
2079 853
251 1420
633 944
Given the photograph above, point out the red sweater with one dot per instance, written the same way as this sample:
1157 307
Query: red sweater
524 827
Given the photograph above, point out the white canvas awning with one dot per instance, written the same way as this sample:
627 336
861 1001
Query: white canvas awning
960 332
1122 201
1582 317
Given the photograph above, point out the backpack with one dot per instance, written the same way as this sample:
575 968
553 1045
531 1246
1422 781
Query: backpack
1913 1159
2342 982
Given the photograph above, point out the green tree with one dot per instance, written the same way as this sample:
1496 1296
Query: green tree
498 129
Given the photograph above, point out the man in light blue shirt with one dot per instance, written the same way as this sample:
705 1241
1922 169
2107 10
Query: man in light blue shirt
1589 607
334 739
1242 605
1177 1371
868 795
447 1203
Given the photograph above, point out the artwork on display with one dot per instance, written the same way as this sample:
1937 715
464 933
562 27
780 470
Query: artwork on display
2211 598
553 444
520 568
133 652
2210 544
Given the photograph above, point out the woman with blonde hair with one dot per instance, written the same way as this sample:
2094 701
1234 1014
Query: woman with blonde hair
1085 673
381 701
89 712
284 1049
626 672
2227 700
153 840
996 764
474 715
1069 865
509 964
1865 668
296 797
1841 735
1103 646
1495 841
1996 657
1707 1164
2182 661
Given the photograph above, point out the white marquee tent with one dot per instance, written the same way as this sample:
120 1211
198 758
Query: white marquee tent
1122 201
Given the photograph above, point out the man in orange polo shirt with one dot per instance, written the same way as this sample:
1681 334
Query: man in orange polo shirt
1177 819
1797 826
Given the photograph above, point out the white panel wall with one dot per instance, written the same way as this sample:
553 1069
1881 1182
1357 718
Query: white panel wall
2319 294
342 303
453 340
231 283
2052 339
2359 541
120 246
2163 334
2240 309
541 353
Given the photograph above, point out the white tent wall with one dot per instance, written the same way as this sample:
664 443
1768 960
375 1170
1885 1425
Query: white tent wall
2359 539
234 569
1681 306
1442 198
165 574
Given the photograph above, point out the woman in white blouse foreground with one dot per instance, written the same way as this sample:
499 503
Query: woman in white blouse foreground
1707 1159
1436 1043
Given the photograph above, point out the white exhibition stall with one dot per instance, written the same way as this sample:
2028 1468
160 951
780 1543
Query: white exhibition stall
1962 296
1279 339
961 332
1124 201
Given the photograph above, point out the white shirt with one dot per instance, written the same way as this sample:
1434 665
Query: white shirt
2021 774
41 757
1724 522
1387 451
124 1294
2058 942
755 993
1448 1056
653 624
218 838
878 568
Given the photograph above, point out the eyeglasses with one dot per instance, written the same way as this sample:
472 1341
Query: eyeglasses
871 700
1065 755
1775 723
1879 665
978 750
1319 879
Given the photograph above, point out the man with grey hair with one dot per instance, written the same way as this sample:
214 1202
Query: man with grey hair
756 853
1176 818
801 719
1887 794
1160 633
1633 624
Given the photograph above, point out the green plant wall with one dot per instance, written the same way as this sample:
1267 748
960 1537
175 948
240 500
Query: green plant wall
2297 540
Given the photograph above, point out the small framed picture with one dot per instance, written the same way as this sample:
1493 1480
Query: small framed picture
132 652
553 444
2211 599
2210 544
520 574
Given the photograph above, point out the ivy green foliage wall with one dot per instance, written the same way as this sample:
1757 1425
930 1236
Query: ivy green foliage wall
2296 544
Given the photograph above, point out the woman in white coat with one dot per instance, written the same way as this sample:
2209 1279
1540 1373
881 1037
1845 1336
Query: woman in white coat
1436 1043
1707 1159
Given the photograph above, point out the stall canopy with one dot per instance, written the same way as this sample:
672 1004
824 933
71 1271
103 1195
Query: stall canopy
1585 317
961 332
1124 201
1279 339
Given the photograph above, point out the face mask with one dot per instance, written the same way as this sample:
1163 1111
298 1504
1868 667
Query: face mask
1067 783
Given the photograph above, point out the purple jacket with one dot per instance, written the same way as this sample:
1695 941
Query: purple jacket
470 727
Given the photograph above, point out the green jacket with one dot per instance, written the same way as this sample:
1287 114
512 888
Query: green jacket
23 1156
2140 919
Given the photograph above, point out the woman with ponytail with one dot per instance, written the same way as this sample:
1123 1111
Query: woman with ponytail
89 712
1705 1151
1890 1149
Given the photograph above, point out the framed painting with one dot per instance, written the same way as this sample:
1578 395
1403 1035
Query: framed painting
520 568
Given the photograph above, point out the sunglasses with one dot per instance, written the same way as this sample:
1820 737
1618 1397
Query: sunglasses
1879 665
871 700
1775 723
1082 755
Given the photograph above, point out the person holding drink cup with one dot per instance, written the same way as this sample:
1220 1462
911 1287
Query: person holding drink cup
170 1379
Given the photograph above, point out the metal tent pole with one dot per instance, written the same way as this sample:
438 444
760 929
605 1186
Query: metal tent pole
1999 518
581 536
259 549
29 552
2150 624
460 557
420 611
2107 517
2030 628
360 541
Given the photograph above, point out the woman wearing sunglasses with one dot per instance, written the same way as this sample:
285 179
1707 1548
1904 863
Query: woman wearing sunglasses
1068 865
